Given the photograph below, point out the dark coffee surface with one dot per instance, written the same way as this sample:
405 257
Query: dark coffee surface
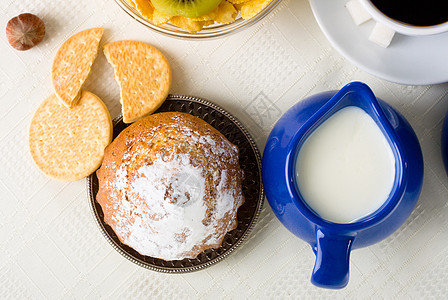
415 12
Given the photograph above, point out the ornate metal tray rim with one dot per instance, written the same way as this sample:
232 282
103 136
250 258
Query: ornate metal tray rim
245 234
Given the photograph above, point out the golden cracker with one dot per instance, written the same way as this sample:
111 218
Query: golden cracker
144 76
68 144
72 64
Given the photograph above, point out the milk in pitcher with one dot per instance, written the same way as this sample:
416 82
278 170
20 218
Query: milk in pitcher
345 169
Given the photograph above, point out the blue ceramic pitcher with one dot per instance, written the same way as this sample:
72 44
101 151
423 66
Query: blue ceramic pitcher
333 242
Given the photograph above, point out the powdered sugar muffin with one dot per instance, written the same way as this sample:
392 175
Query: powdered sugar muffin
170 186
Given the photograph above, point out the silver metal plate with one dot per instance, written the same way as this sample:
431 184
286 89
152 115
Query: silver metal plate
250 162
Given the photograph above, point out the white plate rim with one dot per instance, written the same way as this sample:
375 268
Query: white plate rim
424 80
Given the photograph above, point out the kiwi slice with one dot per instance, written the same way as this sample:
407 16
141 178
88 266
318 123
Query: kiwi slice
185 8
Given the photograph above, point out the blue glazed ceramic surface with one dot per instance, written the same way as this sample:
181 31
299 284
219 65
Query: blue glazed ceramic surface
332 242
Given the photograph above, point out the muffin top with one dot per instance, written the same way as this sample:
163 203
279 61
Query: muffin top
170 186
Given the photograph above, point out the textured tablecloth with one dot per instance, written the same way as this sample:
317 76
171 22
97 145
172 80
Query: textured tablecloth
50 246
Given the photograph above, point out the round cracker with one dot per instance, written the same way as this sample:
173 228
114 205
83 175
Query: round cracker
68 143
144 76
72 64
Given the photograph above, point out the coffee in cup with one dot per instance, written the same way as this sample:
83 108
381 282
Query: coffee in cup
410 17
415 12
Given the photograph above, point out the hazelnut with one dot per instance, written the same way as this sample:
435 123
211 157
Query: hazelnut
25 31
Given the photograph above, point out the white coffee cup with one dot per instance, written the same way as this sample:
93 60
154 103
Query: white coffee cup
401 27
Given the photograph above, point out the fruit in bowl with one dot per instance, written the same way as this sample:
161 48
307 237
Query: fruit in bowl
194 15
189 9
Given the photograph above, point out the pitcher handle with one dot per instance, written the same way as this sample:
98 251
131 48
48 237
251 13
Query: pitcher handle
331 269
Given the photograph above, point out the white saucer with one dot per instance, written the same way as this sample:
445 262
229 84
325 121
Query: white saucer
408 60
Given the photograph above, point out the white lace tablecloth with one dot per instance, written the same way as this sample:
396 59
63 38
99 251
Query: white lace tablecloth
50 246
